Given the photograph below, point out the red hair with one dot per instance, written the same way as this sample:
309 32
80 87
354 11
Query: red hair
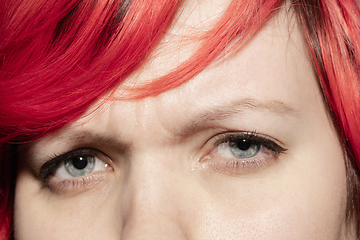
332 32
59 57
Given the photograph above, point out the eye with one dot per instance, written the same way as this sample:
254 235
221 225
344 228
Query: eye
74 168
240 152
80 165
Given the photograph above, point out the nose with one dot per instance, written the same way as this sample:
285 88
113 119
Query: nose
156 206
150 224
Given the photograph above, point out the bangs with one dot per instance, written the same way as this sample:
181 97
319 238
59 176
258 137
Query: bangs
61 56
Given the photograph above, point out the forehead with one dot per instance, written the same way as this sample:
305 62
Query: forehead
277 48
272 66
271 71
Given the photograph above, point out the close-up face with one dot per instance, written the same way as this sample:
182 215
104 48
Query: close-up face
244 150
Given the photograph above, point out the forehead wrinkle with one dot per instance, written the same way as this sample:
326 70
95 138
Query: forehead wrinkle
204 119
88 137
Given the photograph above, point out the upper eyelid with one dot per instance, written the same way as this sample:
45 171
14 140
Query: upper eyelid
225 137
255 136
250 135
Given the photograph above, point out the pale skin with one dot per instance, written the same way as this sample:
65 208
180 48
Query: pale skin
161 172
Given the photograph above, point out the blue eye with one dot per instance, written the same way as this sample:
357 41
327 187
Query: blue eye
78 166
244 148
239 153
75 170
73 164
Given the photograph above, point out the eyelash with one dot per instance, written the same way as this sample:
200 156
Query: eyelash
227 165
267 147
53 165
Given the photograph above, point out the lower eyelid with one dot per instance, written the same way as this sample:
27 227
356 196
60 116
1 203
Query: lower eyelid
228 164
68 183
235 167
236 164
78 185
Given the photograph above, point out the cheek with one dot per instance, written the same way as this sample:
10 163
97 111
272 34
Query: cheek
42 215
303 197
295 214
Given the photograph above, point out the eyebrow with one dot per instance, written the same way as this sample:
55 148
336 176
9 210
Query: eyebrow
88 137
217 113
197 123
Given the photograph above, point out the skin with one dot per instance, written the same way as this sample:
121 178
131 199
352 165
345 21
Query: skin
167 179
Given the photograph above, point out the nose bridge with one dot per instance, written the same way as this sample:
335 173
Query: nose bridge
152 210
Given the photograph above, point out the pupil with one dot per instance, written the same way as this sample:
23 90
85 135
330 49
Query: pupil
244 144
79 162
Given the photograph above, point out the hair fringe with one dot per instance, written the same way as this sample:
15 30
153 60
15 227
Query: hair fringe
332 31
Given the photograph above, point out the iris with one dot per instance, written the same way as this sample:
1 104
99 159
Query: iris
78 166
244 148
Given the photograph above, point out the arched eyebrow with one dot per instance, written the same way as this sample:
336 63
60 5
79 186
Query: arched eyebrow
217 113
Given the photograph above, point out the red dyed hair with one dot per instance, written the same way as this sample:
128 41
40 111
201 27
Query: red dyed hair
59 57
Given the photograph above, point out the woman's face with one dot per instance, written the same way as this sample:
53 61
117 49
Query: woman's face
245 150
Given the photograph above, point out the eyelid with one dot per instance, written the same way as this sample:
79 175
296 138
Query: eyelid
268 142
